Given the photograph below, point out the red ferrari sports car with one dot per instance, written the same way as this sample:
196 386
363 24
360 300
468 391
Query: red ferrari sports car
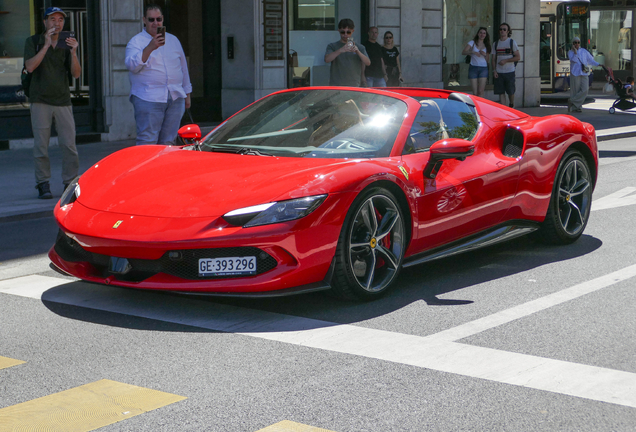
326 189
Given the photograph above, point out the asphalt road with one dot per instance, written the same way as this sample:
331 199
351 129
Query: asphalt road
519 336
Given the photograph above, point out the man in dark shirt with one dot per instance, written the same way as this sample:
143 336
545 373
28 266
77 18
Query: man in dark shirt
346 58
50 99
374 75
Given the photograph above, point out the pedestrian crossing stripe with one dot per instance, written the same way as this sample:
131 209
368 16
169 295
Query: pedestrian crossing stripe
6 362
290 426
84 408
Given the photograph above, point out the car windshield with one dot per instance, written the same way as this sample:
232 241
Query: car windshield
313 123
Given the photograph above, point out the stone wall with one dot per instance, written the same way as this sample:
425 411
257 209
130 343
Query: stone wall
121 20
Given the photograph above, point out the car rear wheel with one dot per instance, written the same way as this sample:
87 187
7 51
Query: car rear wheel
570 203
370 248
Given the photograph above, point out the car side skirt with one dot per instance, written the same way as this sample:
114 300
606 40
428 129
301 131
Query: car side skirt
489 237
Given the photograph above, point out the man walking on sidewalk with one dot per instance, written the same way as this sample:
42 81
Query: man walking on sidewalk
504 61
50 98
580 63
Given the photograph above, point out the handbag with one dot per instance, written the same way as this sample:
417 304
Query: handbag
467 59
608 88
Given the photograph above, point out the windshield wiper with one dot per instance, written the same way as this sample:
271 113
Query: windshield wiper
238 150
268 134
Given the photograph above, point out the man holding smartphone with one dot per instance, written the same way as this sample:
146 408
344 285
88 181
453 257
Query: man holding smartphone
50 98
159 81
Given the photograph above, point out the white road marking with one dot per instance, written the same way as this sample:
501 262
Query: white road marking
523 310
620 198
29 286
437 352
22 267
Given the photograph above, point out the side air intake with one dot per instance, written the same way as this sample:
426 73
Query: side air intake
513 143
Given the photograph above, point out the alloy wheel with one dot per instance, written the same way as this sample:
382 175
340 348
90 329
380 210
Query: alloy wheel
575 193
376 243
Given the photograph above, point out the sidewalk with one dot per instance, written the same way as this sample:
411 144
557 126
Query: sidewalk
18 201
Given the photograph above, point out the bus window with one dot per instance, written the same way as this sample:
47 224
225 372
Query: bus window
572 21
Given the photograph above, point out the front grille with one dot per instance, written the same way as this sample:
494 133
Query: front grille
180 263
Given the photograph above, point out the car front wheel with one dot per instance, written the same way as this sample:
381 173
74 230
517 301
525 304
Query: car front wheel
570 203
370 248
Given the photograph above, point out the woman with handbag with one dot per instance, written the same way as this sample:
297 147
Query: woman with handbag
391 59
581 62
478 51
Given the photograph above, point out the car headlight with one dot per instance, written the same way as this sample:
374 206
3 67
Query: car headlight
271 213
71 194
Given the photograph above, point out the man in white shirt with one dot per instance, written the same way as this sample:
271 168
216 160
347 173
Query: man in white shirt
159 81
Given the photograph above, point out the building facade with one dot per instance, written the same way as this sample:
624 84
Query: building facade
241 50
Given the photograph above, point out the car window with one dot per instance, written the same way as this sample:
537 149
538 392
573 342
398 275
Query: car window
438 119
314 123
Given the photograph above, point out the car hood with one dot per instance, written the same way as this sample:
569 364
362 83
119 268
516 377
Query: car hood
165 181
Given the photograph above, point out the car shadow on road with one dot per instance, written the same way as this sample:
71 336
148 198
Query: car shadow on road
144 310
428 281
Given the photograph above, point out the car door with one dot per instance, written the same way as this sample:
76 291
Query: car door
466 196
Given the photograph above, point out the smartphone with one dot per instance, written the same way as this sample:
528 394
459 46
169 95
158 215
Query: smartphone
162 31
61 39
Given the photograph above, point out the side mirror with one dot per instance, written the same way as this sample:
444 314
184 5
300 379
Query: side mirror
190 132
453 148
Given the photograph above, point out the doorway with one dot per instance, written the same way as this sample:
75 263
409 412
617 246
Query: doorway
197 25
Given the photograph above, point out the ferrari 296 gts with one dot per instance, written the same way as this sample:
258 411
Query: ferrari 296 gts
326 189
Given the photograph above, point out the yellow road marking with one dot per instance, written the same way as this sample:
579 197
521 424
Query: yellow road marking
290 426
6 362
84 408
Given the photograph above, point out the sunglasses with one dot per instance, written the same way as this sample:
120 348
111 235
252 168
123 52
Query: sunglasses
345 32
576 43
159 19
388 37
503 29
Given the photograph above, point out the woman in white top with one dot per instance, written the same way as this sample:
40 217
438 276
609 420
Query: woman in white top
479 50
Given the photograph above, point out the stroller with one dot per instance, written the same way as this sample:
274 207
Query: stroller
625 101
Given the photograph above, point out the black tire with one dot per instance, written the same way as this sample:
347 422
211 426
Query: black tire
370 248
570 203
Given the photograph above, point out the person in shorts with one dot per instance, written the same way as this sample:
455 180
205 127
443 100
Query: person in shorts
479 51
505 55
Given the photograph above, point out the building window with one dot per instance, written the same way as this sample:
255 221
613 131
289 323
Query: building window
611 39
314 15
461 20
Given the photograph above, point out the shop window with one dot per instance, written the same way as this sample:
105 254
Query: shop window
611 39
20 19
461 20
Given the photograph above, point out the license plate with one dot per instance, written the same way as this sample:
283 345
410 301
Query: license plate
228 266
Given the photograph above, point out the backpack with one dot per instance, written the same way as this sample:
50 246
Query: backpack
497 42
26 76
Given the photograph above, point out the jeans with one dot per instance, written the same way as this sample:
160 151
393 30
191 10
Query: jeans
376 82
157 122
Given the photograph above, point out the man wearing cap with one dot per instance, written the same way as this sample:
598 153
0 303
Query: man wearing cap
580 63
159 82
50 98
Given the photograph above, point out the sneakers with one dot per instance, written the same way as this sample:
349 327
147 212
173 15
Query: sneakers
44 190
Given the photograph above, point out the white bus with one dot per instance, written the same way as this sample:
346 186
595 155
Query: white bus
561 21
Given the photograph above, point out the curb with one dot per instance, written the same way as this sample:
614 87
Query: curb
615 136
26 216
